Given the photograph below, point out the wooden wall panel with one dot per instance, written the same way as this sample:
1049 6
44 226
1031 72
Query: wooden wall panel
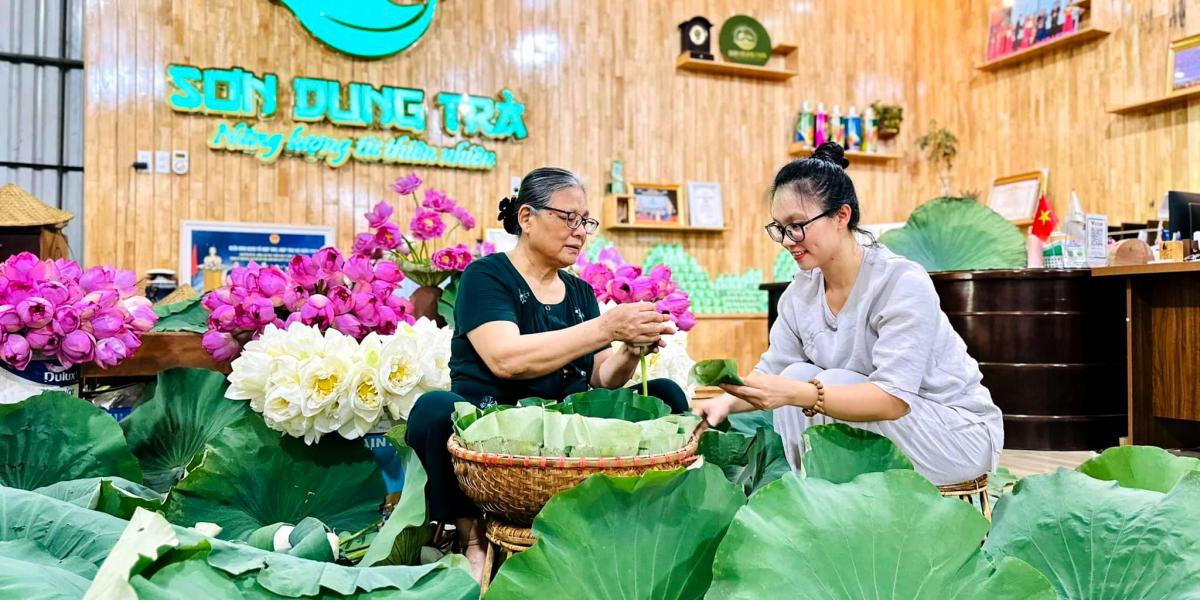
740 337
608 89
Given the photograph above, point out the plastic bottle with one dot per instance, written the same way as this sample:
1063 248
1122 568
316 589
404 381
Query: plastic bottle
870 131
837 133
820 125
854 130
804 125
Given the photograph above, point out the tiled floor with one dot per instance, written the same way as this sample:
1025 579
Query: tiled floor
1030 462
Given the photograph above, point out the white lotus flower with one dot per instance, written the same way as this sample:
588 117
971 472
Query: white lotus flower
325 381
399 372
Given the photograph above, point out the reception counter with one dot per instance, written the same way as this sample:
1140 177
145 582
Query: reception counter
1051 347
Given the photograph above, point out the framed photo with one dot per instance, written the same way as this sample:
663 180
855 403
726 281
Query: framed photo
209 249
655 204
1184 63
1016 197
705 208
1016 25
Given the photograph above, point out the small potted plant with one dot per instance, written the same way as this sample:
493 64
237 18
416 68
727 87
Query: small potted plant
890 116
943 147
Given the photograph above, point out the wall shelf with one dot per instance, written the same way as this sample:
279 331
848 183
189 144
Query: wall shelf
1179 97
664 228
1077 38
853 155
719 67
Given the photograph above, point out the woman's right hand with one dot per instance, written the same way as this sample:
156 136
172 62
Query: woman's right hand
637 323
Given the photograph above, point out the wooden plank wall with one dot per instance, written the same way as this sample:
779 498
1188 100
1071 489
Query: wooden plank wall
607 89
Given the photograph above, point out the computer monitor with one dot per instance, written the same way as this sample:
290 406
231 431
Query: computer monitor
1183 213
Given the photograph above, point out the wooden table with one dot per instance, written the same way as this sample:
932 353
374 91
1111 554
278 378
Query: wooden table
1162 310
160 351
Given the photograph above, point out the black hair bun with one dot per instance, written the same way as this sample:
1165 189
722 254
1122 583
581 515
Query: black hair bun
507 215
831 152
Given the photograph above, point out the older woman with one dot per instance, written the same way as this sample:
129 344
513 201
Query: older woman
526 328
861 339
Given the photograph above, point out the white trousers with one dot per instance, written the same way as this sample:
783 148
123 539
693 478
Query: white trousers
942 444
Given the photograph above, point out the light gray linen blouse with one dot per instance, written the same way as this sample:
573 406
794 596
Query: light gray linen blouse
892 330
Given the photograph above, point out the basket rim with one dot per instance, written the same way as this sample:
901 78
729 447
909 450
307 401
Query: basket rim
581 462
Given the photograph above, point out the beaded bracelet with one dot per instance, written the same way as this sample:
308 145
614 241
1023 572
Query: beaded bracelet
819 405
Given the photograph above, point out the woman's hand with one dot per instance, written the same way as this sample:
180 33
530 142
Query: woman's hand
768 392
715 410
636 324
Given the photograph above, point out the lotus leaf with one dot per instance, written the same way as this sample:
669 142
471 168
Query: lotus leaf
1142 467
838 452
958 234
716 372
113 495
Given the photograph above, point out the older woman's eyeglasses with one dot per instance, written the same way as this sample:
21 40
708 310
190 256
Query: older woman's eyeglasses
794 231
574 219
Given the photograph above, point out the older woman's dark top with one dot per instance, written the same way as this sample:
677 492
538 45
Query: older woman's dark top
491 289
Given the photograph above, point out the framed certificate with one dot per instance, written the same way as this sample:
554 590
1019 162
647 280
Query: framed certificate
1184 63
705 208
209 249
1016 197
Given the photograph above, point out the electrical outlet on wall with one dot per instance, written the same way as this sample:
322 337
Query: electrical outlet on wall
145 160
162 161
179 162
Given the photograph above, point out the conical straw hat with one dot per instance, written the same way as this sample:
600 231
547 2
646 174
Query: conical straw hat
19 208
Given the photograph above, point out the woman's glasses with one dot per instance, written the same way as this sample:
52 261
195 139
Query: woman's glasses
574 219
794 231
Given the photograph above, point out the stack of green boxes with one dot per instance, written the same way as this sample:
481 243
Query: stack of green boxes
730 293
785 266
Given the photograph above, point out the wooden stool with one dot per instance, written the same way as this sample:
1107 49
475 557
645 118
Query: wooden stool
968 490
502 537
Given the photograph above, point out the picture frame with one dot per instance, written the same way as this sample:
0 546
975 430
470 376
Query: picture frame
656 204
705 207
1184 63
1018 25
1015 197
209 249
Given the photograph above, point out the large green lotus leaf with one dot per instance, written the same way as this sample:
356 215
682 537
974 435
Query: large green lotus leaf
749 422
113 495
448 299
958 234
54 437
407 528
154 560
625 537
251 476
623 403
838 452
1141 467
716 372
1096 540
1000 482
884 535
50 548
187 411
751 462
187 315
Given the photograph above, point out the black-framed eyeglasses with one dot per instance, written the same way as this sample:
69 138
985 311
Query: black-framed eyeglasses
574 219
794 231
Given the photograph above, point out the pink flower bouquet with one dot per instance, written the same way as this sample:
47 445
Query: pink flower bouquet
355 296
415 251
53 309
614 280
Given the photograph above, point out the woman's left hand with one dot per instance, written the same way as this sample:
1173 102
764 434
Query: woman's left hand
768 392
636 351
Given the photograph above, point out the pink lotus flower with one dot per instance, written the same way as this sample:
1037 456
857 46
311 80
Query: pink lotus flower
685 321
343 302
215 298
220 345
108 323
381 214
387 237
68 269
487 248
24 267
349 325
358 268
455 258
611 257
259 311
303 270
329 260
660 273
77 347
364 245
273 282
35 312
389 272
427 225
643 289
43 340
67 320
464 217
597 275
407 184
621 290
317 310
628 271
295 297
10 321
16 352
438 201
54 292
675 304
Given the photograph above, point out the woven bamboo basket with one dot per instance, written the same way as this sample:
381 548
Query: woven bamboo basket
515 488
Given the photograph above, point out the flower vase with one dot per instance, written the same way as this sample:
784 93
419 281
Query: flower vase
40 375
425 303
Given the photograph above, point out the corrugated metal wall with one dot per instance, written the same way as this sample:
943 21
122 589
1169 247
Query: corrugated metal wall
41 105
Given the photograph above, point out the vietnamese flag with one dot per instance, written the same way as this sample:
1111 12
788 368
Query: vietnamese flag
1044 220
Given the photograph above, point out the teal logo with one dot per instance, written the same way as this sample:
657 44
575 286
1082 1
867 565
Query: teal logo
364 28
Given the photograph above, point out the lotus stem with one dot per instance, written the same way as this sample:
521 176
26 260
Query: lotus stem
645 383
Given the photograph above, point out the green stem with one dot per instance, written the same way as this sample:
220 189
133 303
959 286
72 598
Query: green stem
645 383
